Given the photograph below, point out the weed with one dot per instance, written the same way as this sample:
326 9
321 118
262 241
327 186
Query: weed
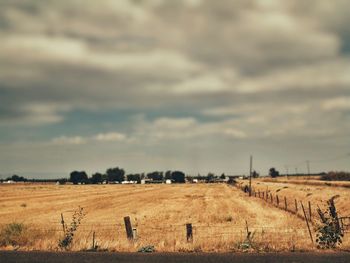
67 240
329 234
12 234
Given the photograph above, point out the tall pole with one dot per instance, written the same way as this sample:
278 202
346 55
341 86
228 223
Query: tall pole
287 170
308 167
250 175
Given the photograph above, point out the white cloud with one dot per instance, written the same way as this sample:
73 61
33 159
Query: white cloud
100 137
335 104
110 137
64 140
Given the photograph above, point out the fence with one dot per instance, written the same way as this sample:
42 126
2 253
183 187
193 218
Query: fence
303 210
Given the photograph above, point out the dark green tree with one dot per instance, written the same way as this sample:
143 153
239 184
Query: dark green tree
115 174
157 176
78 177
178 177
273 172
134 177
96 178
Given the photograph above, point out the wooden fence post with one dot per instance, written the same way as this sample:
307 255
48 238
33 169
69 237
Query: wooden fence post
134 233
285 204
93 240
310 211
296 206
189 233
62 222
263 195
128 228
307 223
271 197
278 200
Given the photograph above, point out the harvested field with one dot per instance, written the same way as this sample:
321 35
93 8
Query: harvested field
218 213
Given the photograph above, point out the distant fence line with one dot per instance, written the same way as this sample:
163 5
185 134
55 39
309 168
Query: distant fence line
296 207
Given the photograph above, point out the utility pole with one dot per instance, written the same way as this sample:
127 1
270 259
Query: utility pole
308 167
287 170
250 175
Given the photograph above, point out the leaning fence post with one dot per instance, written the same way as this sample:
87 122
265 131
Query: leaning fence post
310 211
189 233
307 223
128 228
278 200
62 222
296 206
285 204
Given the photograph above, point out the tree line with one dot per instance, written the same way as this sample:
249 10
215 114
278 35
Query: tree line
118 175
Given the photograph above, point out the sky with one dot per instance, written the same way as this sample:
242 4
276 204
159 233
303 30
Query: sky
191 85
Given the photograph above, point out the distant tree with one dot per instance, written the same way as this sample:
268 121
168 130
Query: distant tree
96 178
62 181
17 178
273 172
223 176
158 176
134 177
78 177
210 177
255 174
115 174
178 177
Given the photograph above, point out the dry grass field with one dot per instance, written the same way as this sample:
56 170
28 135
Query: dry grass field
301 190
218 213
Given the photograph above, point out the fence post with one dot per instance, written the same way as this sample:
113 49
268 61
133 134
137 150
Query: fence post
296 206
93 240
263 195
278 200
271 197
310 211
128 228
189 233
307 223
134 233
285 204
62 222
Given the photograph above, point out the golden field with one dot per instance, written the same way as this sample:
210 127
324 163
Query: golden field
218 213
315 192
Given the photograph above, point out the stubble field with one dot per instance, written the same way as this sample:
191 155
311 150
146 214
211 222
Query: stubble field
218 213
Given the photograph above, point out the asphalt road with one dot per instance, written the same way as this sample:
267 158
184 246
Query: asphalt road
93 257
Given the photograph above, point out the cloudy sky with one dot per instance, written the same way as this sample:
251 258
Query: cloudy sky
195 85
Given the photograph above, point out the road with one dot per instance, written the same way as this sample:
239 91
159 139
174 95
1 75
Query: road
93 257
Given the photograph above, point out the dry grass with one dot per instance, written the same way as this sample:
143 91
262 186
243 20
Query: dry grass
305 180
159 212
